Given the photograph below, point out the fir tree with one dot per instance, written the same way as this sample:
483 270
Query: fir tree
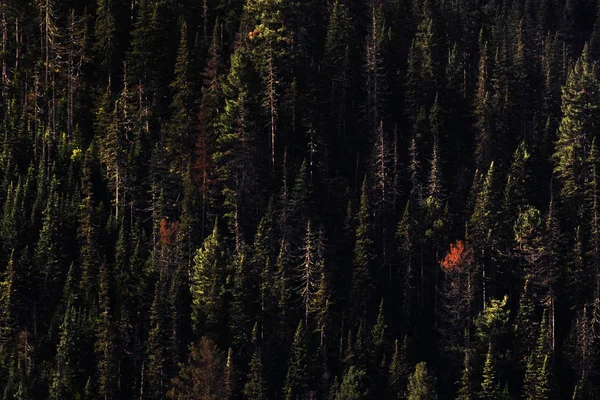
296 382
579 117
490 389
351 386
465 390
207 282
421 385
361 277
398 372
255 388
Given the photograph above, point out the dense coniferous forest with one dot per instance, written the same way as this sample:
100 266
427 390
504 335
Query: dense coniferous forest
299 199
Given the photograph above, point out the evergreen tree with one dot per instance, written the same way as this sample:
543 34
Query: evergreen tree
351 386
207 282
105 38
465 391
579 117
398 372
181 136
538 383
296 382
105 338
203 376
421 385
490 389
255 388
338 64
8 305
361 276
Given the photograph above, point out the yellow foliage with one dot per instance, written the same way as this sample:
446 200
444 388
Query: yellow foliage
76 154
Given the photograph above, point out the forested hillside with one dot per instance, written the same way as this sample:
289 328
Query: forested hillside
299 199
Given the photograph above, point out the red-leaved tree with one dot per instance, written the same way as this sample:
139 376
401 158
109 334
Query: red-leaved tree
456 295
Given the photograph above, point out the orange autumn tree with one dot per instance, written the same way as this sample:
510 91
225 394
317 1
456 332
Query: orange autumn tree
457 258
456 296
168 232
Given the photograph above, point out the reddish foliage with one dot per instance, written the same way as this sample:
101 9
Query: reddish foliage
457 258
168 232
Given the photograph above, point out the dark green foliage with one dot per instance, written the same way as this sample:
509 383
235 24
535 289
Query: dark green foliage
579 117
208 278
255 386
362 274
296 382
183 181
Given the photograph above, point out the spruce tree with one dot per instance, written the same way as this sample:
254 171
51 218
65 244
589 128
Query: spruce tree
361 275
203 376
421 385
465 390
351 387
490 389
296 382
209 273
106 39
398 372
255 388
180 138
579 118
8 304
338 64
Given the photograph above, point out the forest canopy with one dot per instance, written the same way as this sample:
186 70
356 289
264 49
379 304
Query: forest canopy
299 199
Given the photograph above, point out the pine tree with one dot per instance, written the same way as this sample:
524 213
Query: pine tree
579 118
156 351
378 334
244 296
207 282
361 276
481 228
398 372
49 254
180 139
296 382
310 271
375 67
271 44
351 387
105 338
88 236
423 63
485 135
465 391
236 159
8 304
203 376
581 354
538 382
263 261
255 388
322 298
338 65
490 389
407 239
421 385
525 325
492 322
105 43
64 379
